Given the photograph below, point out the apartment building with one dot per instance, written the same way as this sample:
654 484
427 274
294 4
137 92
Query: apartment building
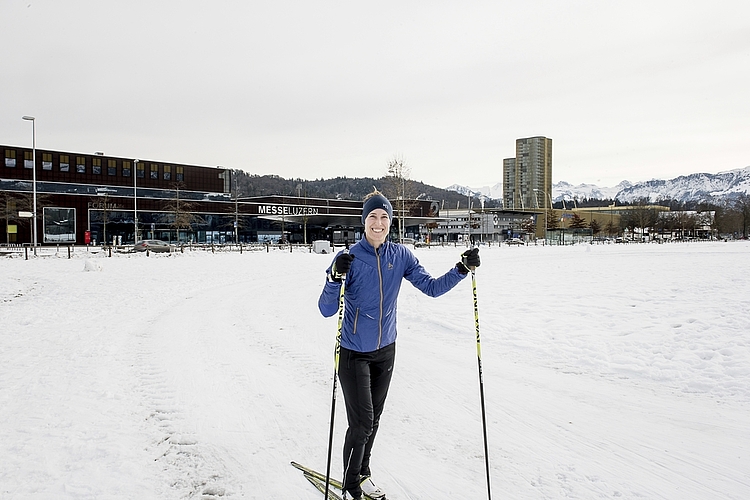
527 178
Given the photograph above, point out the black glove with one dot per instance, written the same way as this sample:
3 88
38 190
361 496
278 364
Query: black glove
341 266
469 261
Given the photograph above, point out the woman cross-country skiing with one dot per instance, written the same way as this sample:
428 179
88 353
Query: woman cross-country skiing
374 269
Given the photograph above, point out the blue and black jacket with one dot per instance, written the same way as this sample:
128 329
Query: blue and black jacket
371 294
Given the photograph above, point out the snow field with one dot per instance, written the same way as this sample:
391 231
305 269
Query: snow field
610 372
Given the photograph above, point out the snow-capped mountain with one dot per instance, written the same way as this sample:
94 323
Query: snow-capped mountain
693 187
495 192
564 190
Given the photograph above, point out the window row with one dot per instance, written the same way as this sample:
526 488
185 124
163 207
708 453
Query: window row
97 166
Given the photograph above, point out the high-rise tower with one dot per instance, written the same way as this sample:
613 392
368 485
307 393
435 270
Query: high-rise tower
527 178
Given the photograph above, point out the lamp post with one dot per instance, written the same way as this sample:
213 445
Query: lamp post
545 210
135 201
447 220
401 227
33 169
481 221
236 210
468 216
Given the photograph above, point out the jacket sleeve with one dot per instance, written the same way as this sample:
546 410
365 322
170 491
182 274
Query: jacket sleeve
328 302
422 280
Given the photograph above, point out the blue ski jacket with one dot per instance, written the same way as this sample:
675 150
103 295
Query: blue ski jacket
372 286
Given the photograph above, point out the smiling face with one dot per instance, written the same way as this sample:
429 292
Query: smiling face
377 225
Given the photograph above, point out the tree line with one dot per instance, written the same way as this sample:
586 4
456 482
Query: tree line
730 216
351 188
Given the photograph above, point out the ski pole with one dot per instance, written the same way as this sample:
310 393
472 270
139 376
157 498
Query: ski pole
335 383
481 384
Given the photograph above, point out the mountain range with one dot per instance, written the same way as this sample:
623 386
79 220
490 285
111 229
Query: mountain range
685 188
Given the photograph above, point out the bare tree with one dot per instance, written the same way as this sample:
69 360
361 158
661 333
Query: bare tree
180 211
611 228
686 223
742 206
725 219
10 205
239 221
400 190
641 216
13 203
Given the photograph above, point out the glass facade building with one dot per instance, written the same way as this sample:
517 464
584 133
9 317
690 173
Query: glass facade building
87 199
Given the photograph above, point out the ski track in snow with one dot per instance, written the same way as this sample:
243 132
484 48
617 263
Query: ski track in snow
610 372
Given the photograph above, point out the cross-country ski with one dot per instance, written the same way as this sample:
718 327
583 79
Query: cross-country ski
311 474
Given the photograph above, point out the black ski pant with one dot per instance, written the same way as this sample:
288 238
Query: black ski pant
365 378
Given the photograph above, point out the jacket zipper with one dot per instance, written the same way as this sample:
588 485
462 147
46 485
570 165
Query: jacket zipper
380 279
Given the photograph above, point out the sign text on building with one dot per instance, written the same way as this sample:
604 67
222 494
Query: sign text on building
286 210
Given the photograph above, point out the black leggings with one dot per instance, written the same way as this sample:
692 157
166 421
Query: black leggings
364 377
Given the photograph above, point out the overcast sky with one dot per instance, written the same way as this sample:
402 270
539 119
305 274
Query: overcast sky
630 90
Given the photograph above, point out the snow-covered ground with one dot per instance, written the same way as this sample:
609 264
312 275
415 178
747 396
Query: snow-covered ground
610 372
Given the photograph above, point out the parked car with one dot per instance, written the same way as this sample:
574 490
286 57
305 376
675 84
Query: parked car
515 241
157 246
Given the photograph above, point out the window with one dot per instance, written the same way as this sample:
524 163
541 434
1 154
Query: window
81 164
10 158
141 172
96 166
59 225
64 163
180 174
28 159
167 172
126 168
154 171
111 167
46 161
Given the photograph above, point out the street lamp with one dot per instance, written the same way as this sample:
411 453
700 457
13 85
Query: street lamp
33 169
236 209
468 215
135 201
545 211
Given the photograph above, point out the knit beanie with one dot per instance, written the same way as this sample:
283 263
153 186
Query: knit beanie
375 202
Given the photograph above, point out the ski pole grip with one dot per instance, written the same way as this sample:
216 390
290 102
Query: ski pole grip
470 259
346 251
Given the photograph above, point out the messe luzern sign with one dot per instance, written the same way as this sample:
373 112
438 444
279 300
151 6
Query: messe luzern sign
286 210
